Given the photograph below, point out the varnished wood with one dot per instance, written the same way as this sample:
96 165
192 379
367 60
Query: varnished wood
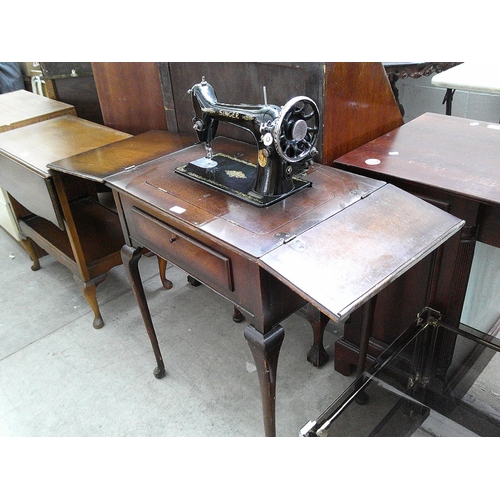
130 96
317 355
162 267
445 153
73 235
130 257
97 164
359 106
60 211
265 351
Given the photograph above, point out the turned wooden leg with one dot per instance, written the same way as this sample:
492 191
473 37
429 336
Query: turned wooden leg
193 281
317 354
28 246
130 257
265 350
89 290
162 264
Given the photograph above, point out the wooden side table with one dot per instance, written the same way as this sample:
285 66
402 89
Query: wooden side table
61 215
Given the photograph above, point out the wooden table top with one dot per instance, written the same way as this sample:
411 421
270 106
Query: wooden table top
21 108
458 155
98 164
37 145
250 228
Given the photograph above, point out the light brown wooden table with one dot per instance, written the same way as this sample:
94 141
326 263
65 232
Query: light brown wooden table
21 108
61 214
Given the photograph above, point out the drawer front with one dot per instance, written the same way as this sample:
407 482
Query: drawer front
204 263
32 190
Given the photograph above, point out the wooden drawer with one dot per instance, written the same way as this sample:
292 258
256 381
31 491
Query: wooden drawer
204 263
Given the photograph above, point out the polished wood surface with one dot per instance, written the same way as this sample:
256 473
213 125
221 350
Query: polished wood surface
257 257
456 155
359 106
99 163
26 152
130 96
453 163
39 144
21 108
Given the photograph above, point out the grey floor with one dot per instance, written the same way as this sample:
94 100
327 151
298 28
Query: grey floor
61 377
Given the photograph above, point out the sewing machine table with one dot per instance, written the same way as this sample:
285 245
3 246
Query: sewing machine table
335 244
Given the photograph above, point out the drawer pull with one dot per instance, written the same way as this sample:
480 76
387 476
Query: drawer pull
172 239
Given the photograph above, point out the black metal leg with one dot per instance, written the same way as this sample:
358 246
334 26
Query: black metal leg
448 99
130 257
265 350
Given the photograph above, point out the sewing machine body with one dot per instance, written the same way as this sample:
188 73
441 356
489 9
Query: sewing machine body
285 137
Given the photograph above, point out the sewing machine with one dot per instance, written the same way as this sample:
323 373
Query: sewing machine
286 138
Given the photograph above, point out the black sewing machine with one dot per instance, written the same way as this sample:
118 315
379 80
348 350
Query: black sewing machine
286 139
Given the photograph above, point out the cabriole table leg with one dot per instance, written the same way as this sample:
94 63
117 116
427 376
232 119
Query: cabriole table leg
130 257
265 350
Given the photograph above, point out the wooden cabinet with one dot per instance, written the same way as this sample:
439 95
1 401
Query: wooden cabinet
452 163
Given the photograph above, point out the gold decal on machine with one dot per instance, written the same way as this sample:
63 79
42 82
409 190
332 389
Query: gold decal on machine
262 157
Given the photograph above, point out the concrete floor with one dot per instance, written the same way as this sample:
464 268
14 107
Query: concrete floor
61 377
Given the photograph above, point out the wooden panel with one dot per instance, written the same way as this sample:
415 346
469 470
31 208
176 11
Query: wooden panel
359 107
39 144
361 250
489 230
99 163
455 155
81 93
130 96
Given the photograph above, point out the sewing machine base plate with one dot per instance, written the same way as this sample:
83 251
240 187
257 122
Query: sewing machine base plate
234 177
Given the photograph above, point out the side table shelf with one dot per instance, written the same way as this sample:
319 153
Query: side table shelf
93 222
89 248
